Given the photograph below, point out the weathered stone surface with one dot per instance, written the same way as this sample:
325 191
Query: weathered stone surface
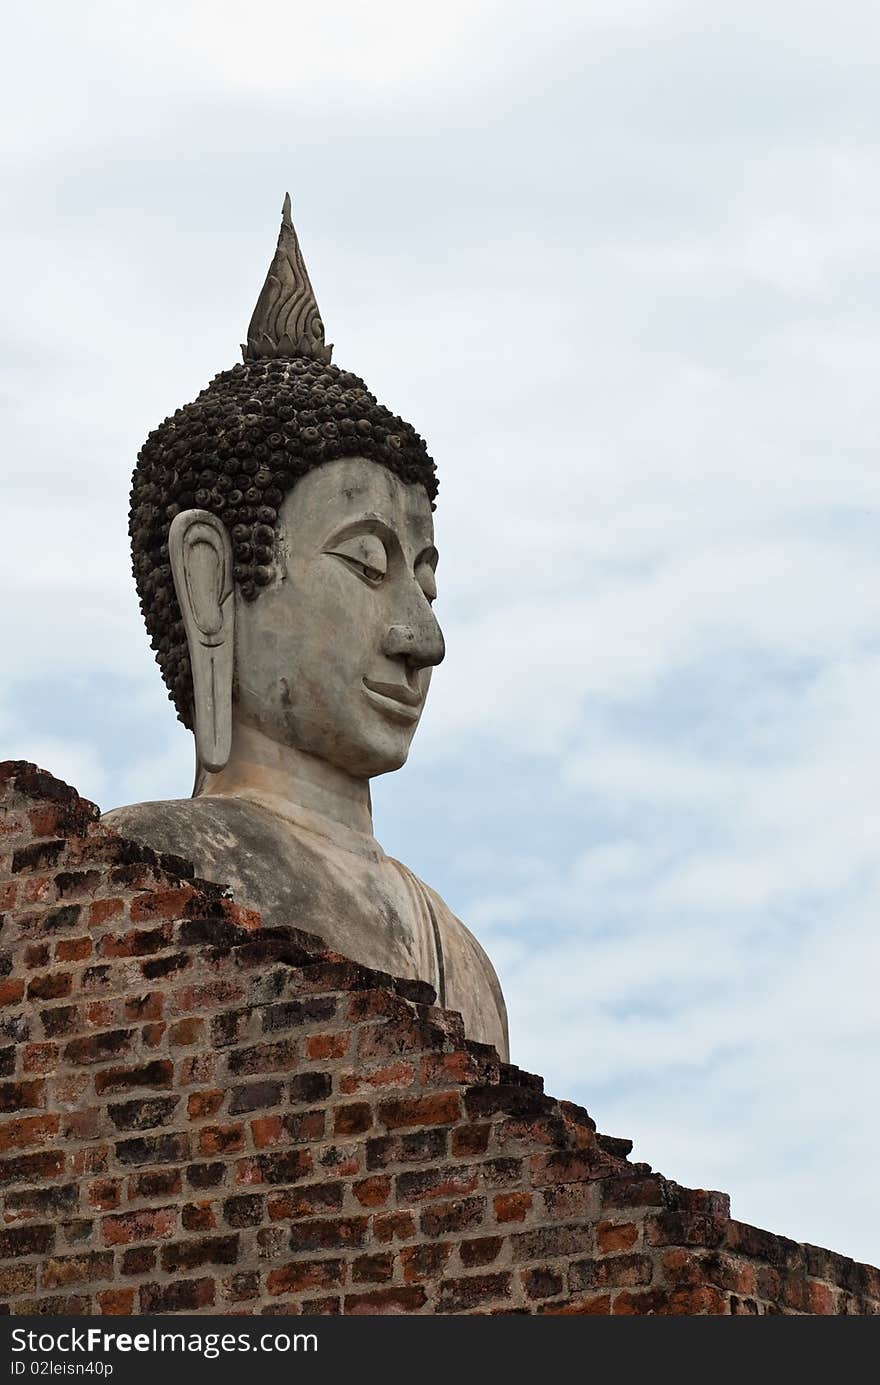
330 678
283 548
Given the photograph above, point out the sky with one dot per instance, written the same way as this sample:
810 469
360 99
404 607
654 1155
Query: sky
617 260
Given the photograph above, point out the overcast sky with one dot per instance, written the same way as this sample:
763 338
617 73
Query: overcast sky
617 260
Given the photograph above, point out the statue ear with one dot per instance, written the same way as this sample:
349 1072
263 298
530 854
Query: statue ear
200 552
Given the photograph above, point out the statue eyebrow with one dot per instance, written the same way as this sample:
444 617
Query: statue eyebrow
366 524
428 555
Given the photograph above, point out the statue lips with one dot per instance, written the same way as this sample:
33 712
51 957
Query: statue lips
396 699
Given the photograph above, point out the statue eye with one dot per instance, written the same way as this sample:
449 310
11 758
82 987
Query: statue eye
365 554
427 580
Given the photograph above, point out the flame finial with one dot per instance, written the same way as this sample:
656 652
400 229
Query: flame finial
286 321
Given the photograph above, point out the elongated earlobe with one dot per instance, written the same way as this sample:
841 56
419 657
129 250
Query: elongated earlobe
200 553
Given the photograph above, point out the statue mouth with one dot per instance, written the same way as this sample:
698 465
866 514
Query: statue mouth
397 699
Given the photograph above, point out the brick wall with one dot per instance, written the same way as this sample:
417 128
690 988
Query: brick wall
201 1115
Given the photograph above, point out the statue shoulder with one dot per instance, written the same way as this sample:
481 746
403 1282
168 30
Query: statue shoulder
471 984
452 929
195 828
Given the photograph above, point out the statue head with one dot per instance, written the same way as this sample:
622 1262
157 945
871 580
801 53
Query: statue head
282 546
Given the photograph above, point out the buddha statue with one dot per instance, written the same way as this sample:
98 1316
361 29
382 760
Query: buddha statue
283 551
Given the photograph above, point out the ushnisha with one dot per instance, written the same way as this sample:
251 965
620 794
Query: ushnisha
283 551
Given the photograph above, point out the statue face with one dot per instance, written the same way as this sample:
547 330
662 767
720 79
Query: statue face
335 657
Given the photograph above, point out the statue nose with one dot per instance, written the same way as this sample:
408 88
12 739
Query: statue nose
420 646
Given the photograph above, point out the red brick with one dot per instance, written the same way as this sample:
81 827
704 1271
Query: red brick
285 1166
73 949
353 1119
444 1182
193 1254
161 904
383 1301
619 1271
394 1226
308 1087
90 1159
138 942
181 1296
692 1302
570 1166
11 991
17 1279
76 1269
595 1305
187 1032
52 986
158 1073
144 1007
221 1139
305 1274
330 1233
647 1303
482 1250
458 1295
140 1260
114 1302
612 1236
300 1126
543 1282
82 1125
22 1096
392 1075
424 1262
512 1207
102 910
104 1194
48 820
372 1004
373 1269
98 1048
202 1104
153 1225
373 1192
277 1057
39 890
820 1298
343 1161
633 1191
470 1139
267 1131
447 1217
441 1108
26 1240
684 1229
239 1288
207 996
310 1200
327 1046
152 1034
30 1130
101 1014
70 1090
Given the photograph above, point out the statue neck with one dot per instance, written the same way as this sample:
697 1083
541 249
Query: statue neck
284 777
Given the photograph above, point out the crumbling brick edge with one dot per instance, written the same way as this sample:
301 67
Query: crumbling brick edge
198 1114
